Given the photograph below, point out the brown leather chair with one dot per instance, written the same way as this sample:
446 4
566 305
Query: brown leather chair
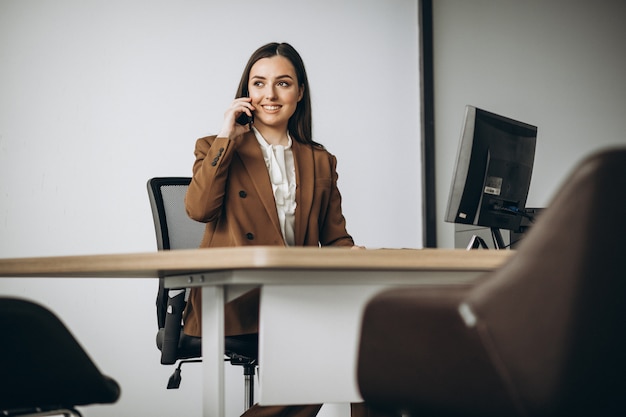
541 336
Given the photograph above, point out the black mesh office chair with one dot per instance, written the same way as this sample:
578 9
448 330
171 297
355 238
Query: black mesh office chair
44 369
175 230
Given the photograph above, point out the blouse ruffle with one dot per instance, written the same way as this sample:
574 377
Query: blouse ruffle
282 171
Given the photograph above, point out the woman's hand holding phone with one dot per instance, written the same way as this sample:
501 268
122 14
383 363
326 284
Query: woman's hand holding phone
238 118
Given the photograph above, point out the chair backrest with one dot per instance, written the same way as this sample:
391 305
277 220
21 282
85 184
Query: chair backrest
174 229
43 365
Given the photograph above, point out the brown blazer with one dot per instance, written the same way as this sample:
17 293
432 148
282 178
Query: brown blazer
231 191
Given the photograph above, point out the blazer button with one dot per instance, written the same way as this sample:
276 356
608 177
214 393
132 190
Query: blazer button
243 194
249 236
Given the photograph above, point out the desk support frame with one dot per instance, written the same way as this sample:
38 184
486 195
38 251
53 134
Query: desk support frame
213 350
217 287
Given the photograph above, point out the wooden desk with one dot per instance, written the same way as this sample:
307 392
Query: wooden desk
282 272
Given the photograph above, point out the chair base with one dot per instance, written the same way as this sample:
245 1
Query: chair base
249 370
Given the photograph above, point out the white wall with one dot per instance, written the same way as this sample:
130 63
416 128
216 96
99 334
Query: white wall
557 64
98 96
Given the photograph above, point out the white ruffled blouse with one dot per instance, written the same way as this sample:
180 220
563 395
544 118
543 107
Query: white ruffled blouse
282 171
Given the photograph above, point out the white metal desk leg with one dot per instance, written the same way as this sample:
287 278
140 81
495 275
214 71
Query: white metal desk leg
213 351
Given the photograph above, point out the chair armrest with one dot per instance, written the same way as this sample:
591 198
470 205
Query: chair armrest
173 324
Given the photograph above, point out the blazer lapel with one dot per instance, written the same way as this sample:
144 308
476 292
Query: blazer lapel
250 153
305 180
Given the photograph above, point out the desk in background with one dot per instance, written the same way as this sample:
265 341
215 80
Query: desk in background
323 289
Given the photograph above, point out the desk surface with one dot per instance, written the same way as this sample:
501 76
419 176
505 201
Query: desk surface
176 262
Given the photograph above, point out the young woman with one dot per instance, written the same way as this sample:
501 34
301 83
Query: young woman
264 181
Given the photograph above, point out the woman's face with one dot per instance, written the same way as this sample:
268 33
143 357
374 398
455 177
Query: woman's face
274 90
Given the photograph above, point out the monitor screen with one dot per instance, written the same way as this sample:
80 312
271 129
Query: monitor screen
493 169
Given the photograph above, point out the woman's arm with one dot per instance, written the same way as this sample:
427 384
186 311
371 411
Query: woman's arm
205 195
206 191
333 228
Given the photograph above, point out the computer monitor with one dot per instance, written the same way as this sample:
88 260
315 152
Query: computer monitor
492 174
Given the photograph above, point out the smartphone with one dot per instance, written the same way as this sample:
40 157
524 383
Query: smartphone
243 118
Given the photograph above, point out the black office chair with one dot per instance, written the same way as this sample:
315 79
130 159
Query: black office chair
175 230
541 336
45 371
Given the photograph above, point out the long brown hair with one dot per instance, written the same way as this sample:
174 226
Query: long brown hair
300 123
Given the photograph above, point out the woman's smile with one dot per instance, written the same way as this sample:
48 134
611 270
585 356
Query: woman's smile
271 108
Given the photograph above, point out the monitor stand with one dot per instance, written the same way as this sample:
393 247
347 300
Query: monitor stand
498 242
515 235
477 242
